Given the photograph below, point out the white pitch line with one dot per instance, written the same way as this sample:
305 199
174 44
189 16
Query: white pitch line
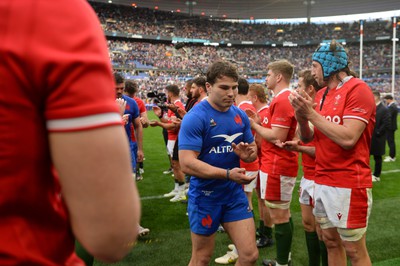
153 197
391 171
298 181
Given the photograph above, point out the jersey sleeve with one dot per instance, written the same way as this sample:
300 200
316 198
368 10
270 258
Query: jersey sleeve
360 103
69 61
180 105
132 108
191 133
141 105
282 113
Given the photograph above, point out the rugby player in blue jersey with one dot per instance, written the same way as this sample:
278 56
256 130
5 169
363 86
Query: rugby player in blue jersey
214 136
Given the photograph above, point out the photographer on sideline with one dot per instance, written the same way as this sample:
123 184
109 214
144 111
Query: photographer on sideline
171 122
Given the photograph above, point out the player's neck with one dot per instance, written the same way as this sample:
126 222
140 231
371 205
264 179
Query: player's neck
240 98
335 80
259 106
280 87
174 99
218 107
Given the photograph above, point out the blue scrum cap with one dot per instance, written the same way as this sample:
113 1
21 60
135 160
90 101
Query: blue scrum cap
331 61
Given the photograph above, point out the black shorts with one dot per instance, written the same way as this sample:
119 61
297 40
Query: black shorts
165 136
175 155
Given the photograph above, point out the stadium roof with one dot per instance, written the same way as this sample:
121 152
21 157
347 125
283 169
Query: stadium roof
266 9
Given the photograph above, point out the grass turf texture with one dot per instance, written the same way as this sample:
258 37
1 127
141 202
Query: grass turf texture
169 240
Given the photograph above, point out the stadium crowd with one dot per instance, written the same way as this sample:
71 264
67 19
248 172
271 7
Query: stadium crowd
160 64
249 59
146 21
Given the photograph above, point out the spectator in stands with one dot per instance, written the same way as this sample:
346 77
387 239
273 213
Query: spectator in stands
392 128
129 20
59 136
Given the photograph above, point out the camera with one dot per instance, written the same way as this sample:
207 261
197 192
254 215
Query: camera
158 97
162 105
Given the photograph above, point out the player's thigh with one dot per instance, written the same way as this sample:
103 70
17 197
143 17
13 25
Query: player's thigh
242 234
202 245
307 217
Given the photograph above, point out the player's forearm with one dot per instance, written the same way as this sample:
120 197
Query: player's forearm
346 135
201 169
168 126
144 120
310 150
264 133
304 131
139 138
163 120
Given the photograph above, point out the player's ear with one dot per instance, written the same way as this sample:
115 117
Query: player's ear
208 87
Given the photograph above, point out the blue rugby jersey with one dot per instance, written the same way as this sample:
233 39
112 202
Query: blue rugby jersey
211 133
133 110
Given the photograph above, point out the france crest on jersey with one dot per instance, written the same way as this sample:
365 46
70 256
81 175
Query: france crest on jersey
211 133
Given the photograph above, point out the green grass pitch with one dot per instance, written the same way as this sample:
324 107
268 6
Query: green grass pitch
169 240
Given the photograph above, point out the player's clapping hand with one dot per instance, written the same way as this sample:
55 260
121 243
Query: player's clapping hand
153 123
290 145
177 122
125 119
172 107
181 112
140 156
239 176
302 104
253 117
244 150
143 121
122 105
157 110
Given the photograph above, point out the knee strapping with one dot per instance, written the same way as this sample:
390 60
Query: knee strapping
282 206
351 234
324 222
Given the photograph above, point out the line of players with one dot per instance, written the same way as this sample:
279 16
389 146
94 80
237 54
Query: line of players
328 200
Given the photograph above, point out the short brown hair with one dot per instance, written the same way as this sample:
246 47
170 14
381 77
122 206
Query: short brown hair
308 79
200 82
173 88
259 91
282 67
131 87
219 69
